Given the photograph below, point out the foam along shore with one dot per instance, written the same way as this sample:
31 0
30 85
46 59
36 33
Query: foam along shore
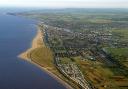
36 43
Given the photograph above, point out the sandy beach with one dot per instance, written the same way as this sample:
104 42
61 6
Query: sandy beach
36 43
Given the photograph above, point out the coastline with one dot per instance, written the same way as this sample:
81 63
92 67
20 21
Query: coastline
37 42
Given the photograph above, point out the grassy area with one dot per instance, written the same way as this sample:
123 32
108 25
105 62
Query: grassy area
101 76
44 57
65 60
100 21
122 33
120 54
118 51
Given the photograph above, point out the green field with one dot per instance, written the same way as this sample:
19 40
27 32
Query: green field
122 34
120 54
65 60
42 56
118 51
102 76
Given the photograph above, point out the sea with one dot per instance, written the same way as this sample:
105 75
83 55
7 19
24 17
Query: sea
16 35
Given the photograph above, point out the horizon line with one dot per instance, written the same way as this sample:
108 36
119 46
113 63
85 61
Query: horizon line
64 7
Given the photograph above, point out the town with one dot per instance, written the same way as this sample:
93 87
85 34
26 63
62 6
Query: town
89 45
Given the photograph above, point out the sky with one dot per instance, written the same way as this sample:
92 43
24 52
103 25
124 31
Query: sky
66 3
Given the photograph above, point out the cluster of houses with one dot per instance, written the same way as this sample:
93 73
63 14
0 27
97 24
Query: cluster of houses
62 53
87 45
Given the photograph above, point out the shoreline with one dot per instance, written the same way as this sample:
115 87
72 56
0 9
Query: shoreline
37 42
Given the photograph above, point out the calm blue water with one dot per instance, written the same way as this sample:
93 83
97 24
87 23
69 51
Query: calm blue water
16 34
